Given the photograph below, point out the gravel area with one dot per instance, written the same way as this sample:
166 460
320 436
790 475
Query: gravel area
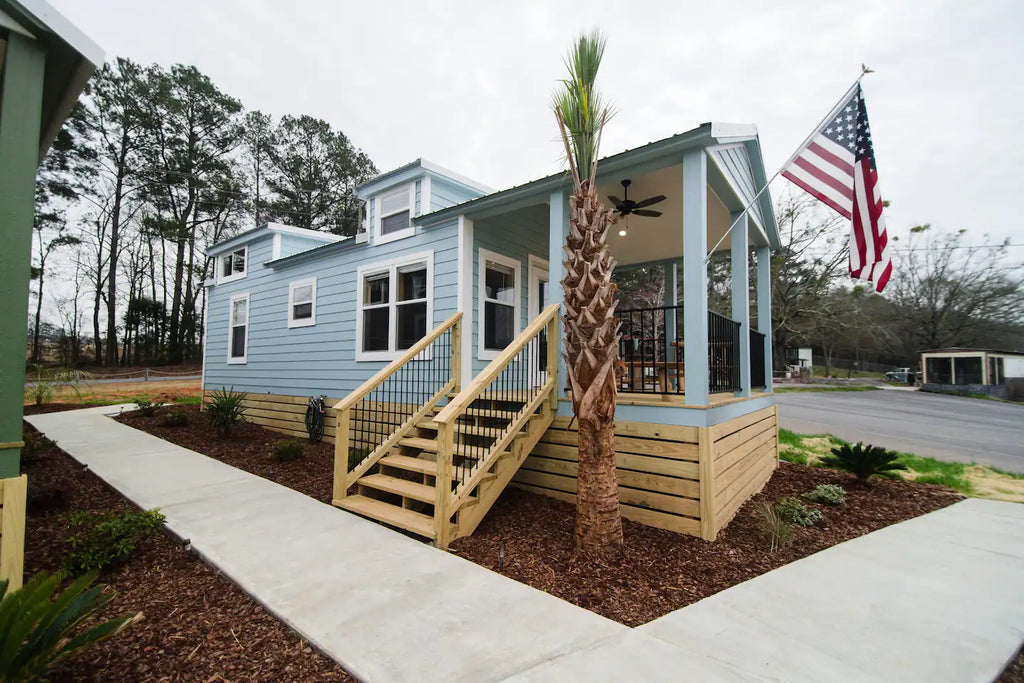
197 625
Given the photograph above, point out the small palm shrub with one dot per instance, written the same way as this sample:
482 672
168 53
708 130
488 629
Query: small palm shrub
773 526
827 494
795 512
175 418
146 407
286 451
103 539
862 461
40 392
39 628
225 409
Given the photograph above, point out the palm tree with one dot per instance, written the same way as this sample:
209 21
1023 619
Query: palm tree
591 328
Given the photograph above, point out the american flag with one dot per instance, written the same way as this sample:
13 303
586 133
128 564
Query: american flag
837 165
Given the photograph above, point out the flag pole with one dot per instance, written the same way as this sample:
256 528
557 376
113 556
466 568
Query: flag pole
864 71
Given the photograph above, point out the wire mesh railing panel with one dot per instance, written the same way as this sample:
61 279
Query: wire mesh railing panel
396 399
488 418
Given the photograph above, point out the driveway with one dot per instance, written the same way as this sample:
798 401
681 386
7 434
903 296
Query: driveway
944 427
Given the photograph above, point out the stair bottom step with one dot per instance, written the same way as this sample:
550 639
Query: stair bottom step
420 524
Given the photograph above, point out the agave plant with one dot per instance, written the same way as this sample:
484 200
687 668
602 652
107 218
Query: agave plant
862 461
591 328
36 630
224 410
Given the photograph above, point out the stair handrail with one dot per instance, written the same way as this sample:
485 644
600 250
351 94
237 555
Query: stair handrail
445 502
343 408
472 391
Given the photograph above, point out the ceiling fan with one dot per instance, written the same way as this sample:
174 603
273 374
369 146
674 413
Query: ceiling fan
627 206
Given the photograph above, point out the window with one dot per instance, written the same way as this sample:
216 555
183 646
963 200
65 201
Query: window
232 265
238 332
302 303
395 306
394 214
499 302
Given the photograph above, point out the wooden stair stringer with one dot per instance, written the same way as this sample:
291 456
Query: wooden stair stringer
468 517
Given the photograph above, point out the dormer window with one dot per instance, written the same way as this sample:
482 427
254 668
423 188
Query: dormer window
394 219
233 265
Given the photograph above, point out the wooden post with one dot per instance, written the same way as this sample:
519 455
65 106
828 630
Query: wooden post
552 359
706 469
456 333
341 455
12 531
443 485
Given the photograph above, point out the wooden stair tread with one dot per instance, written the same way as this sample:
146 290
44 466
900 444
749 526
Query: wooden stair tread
389 514
404 462
430 446
400 487
464 428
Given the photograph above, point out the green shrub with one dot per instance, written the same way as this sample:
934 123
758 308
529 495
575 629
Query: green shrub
102 539
146 407
827 494
175 418
286 451
863 461
35 445
225 409
795 512
775 528
40 392
38 627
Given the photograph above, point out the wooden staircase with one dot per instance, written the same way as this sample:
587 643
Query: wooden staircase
439 472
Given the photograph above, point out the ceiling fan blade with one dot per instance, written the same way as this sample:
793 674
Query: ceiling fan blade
650 200
646 212
614 200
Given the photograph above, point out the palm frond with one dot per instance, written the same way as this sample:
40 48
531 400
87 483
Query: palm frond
580 108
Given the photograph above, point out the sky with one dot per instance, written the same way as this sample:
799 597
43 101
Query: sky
468 85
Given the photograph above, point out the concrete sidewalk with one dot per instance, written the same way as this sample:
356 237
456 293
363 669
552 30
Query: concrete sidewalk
937 598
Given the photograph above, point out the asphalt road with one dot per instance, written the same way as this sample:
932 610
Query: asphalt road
944 427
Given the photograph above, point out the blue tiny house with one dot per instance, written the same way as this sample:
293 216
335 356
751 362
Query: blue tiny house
434 329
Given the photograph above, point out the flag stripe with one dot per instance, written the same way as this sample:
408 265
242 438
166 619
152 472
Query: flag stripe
839 186
822 146
819 190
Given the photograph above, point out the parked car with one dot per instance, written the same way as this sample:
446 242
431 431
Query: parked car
903 375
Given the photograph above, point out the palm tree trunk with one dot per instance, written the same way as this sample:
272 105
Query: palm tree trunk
591 336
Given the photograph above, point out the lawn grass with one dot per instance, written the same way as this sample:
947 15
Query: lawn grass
182 392
970 479
825 387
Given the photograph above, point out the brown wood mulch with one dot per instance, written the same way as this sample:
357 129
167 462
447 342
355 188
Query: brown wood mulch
196 625
1014 671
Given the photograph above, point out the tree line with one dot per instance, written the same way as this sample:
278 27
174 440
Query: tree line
153 167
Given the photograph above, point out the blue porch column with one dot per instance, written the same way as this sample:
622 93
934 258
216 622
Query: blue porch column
558 229
764 309
695 277
741 295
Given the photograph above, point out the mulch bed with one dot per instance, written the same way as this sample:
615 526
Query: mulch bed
1014 671
529 538
248 448
197 625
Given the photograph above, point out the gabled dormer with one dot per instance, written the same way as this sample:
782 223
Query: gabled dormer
394 200
236 257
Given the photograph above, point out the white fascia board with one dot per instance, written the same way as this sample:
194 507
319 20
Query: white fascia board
732 132
304 232
457 177
55 22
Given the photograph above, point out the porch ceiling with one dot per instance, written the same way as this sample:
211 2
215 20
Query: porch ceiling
657 239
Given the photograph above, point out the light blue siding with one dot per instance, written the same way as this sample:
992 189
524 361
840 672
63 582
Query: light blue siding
320 358
515 235
444 194
735 163
293 244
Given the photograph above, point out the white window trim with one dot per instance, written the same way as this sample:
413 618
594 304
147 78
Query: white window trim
535 267
221 278
231 309
378 235
391 267
292 286
517 266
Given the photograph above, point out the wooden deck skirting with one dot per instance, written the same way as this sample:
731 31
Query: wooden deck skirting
690 480
13 497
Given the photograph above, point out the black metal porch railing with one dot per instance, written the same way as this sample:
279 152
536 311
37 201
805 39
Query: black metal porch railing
757 371
652 354
723 353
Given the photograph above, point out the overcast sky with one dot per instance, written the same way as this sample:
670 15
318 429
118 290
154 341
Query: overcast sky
468 85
